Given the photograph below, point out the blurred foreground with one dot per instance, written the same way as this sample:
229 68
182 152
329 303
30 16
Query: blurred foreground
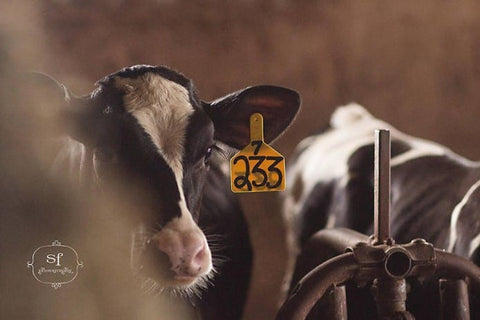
414 64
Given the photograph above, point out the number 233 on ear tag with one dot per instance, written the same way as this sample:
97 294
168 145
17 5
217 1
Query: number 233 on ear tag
258 167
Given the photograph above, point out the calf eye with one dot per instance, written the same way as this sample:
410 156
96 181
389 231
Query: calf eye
208 154
105 155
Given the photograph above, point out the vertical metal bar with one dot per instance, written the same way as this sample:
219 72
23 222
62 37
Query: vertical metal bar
390 296
454 301
382 186
338 304
332 306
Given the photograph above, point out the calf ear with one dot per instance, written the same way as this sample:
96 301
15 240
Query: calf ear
58 106
47 95
231 114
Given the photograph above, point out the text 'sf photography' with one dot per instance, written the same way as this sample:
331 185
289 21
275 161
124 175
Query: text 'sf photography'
55 264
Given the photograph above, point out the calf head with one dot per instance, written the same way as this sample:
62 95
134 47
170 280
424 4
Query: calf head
151 135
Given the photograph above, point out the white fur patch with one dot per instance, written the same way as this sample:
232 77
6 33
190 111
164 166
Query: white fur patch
326 155
456 214
162 107
348 114
174 234
474 244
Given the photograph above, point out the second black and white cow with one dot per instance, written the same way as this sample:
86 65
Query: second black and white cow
435 192
144 134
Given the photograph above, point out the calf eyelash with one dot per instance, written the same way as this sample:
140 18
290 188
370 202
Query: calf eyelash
225 154
210 150
216 148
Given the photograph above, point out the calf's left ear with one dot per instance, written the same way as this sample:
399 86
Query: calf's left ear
71 115
231 114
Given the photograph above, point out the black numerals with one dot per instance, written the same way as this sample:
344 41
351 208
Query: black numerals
271 179
241 181
257 144
258 171
273 169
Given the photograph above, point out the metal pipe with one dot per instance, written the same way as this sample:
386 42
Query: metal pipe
339 304
337 240
454 301
323 245
314 285
452 266
398 262
390 296
382 187
332 306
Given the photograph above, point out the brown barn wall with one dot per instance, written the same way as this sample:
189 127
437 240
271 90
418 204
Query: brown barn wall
413 63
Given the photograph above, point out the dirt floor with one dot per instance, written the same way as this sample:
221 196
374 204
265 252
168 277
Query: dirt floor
414 64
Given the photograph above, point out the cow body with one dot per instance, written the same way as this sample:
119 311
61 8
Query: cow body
144 138
435 193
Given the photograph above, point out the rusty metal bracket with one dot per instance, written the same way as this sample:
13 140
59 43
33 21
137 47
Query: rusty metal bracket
416 258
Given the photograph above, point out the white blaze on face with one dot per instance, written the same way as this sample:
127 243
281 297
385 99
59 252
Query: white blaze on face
162 107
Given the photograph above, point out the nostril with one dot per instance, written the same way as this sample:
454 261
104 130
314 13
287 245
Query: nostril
199 256
198 262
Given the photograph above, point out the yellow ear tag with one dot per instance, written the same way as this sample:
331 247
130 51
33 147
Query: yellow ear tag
258 167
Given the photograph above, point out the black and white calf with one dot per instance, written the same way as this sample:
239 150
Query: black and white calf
145 134
435 192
